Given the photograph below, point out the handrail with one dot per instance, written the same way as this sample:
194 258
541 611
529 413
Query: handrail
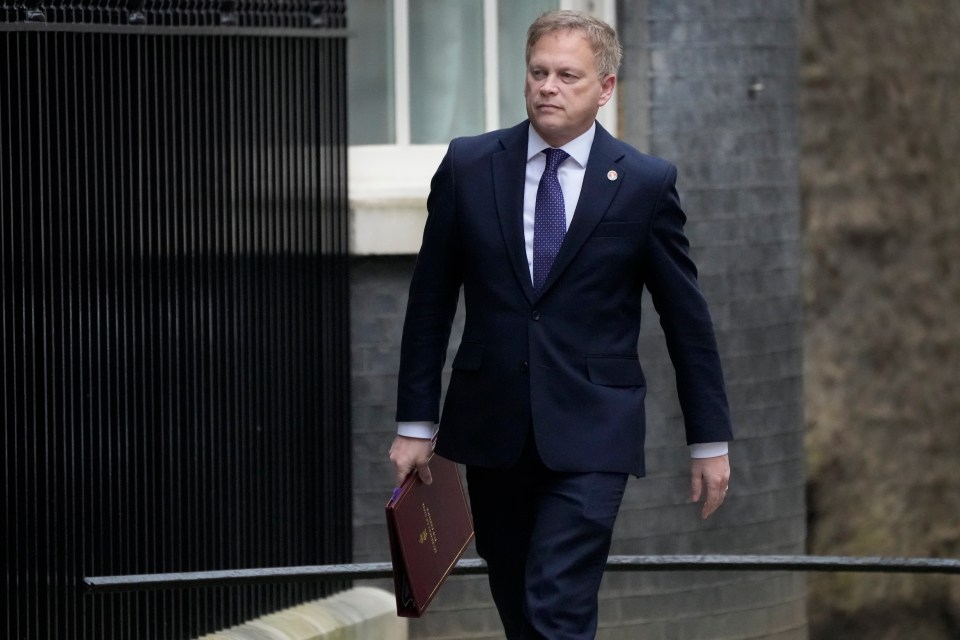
371 570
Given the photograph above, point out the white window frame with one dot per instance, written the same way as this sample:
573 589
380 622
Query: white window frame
388 184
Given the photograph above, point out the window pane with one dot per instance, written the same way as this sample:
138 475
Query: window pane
370 92
446 69
513 18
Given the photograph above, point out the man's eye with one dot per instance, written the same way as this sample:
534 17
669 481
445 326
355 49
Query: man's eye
537 74
569 77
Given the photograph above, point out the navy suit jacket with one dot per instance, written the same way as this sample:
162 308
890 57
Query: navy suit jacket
562 361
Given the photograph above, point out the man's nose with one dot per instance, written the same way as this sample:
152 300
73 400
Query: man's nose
549 85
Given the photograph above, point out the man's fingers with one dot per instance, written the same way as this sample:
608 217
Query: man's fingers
715 474
712 503
423 470
716 494
696 486
401 475
408 454
400 469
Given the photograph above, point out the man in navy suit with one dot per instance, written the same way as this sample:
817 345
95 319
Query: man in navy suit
545 405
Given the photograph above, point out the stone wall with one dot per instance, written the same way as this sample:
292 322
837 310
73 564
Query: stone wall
881 193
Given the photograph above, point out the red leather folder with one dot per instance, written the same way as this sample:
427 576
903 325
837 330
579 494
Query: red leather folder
429 528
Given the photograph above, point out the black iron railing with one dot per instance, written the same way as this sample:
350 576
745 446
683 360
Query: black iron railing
174 352
471 566
286 14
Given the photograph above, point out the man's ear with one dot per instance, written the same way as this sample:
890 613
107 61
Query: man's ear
606 89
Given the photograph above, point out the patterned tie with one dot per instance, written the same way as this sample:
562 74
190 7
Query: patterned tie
550 220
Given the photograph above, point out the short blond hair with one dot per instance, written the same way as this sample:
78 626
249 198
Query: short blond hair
601 36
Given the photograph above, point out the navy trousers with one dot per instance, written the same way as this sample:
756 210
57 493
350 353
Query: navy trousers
545 537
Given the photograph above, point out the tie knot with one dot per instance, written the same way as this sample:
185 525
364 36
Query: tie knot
554 158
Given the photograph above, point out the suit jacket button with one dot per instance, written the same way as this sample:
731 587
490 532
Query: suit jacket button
524 366
535 315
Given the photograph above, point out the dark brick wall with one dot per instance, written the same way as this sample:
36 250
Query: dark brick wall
684 96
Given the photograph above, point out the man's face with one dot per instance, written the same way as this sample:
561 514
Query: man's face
563 90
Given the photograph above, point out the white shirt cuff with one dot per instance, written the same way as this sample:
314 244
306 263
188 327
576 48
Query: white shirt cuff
709 449
425 430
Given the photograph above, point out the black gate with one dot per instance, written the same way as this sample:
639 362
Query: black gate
174 309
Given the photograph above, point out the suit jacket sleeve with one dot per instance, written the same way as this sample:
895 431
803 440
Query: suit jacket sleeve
432 303
671 278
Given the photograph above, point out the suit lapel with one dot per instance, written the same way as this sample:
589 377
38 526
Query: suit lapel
601 181
509 174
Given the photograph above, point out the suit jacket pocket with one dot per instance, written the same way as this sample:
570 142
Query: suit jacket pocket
469 356
615 371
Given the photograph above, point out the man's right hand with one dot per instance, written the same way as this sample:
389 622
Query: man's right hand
408 454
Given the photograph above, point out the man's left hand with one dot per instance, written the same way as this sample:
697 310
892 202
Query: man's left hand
714 473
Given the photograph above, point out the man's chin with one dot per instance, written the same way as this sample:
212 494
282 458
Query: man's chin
549 126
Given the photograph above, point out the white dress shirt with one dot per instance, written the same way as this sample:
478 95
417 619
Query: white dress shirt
570 174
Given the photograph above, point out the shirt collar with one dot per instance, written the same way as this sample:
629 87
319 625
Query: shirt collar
578 148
